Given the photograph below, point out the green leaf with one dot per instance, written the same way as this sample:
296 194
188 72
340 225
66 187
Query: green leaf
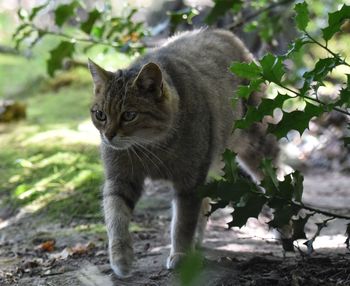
298 226
57 55
302 16
344 94
182 16
298 181
296 120
97 32
269 171
296 45
64 12
244 91
22 14
36 10
231 167
229 191
256 114
19 29
346 141
22 35
90 21
252 208
190 268
272 68
322 68
246 70
286 188
220 8
335 21
283 214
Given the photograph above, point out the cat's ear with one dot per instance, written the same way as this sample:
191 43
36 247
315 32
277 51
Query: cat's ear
150 78
99 75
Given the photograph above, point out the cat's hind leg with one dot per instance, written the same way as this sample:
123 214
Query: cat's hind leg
202 221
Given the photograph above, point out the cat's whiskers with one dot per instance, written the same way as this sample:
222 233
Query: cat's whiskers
144 151
154 145
146 169
130 158
169 173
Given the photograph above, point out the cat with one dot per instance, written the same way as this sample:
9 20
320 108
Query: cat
169 116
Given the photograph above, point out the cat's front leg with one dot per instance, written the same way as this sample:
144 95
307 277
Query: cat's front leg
186 209
119 199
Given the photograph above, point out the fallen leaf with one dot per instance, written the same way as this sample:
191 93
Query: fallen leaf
78 249
48 246
82 248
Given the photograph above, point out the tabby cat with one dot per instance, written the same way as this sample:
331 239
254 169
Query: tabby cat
169 116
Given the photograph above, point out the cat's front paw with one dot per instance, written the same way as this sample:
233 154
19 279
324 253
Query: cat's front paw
121 256
175 259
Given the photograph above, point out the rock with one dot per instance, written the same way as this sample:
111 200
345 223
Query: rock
11 110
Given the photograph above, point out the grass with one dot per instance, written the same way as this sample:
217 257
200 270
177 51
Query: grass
49 162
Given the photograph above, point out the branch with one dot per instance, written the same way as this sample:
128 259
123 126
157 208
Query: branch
313 99
326 48
9 50
83 40
326 213
257 13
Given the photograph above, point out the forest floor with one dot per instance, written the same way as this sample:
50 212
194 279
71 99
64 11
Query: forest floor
247 256
51 226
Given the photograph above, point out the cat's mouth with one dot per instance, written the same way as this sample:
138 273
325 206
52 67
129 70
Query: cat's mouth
115 143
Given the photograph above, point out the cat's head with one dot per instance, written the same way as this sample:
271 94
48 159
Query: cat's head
131 107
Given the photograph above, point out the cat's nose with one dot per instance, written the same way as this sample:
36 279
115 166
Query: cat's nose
110 135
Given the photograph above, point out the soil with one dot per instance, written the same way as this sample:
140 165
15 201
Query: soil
247 256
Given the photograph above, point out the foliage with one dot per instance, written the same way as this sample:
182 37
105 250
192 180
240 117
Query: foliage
79 31
221 7
182 16
284 197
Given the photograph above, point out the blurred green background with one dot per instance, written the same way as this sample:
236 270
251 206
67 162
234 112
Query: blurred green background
49 161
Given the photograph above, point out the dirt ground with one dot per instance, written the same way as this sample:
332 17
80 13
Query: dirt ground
247 256
74 251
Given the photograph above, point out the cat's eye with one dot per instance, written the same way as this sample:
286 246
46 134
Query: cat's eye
129 115
100 115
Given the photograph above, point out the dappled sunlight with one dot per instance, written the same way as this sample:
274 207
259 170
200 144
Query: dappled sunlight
86 134
256 237
330 241
251 244
15 133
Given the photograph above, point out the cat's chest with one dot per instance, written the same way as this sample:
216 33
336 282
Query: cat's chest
139 163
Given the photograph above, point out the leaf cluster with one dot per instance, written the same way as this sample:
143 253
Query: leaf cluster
248 198
284 197
90 28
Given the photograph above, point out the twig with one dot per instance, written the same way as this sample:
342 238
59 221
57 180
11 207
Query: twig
83 40
326 213
326 48
313 99
9 50
257 13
